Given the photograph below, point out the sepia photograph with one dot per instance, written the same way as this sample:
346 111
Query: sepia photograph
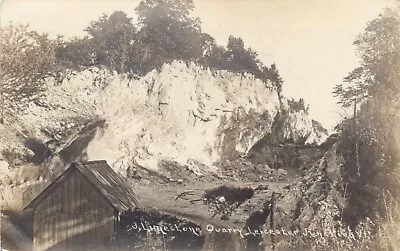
209 125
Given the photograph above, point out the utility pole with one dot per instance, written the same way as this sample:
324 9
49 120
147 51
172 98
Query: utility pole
271 226
356 137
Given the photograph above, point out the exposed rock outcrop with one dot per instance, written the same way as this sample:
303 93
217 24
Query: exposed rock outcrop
182 113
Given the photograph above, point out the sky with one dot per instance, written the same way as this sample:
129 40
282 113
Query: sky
310 41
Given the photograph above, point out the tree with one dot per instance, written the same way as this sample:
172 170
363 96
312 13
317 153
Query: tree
215 57
111 42
76 53
298 105
239 58
113 38
26 59
377 78
379 50
272 74
167 32
378 75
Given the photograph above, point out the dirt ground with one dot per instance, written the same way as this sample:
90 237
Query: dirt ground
187 199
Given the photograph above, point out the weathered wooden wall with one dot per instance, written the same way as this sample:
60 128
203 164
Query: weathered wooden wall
73 217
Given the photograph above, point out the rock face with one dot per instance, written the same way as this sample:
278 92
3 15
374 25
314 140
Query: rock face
183 113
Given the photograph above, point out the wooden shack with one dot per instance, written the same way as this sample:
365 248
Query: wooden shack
80 209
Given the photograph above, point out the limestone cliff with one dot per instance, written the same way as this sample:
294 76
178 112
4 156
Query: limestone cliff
182 112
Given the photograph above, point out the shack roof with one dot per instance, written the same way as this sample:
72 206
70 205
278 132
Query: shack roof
104 179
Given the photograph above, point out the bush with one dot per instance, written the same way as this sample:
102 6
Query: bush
298 106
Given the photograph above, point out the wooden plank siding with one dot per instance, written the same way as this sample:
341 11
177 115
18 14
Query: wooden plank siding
74 216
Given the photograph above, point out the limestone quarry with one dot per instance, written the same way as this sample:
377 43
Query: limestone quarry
180 131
